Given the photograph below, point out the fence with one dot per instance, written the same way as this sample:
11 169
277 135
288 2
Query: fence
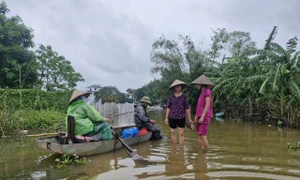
120 114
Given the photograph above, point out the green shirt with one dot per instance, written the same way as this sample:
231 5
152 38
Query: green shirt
85 117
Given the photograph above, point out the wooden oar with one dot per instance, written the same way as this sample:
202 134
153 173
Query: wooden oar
132 152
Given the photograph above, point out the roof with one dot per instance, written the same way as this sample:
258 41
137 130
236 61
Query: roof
130 90
94 86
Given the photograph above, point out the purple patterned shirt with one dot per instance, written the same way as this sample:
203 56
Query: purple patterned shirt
178 106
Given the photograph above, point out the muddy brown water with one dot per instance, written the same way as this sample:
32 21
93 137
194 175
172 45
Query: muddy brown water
238 151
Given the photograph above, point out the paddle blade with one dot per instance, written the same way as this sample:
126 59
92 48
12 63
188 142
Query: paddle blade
132 152
135 156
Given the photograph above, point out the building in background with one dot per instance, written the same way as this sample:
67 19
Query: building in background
93 88
130 94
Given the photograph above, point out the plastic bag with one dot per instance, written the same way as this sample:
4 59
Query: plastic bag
130 132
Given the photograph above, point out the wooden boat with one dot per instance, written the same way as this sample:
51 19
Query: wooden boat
89 148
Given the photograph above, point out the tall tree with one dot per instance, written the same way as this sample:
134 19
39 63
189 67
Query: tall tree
16 58
282 71
55 72
231 44
110 94
240 42
219 40
178 60
139 93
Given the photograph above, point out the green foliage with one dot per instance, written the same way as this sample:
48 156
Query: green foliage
173 62
3 8
32 109
9 122
55 72
36 99
293 146
129 100
38 120
20 67
183 61
240 42
219 39
16 57
139 93
249 81
110 94
265 76
152 89
234 43
68 159
43 120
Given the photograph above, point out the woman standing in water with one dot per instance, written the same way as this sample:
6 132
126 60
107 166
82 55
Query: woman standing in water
204 111
177 109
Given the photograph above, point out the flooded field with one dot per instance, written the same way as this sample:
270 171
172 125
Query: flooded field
237 151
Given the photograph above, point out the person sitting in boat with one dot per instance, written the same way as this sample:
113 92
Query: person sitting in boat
142 120
88 121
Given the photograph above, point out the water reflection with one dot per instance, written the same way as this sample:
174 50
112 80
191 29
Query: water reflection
180 164
175 161
200 167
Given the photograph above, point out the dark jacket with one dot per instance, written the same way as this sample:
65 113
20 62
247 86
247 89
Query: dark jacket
141 118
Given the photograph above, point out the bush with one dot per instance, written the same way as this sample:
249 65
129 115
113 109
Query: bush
45 120
35 99
36 120
32 109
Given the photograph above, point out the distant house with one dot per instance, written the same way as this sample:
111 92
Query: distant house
93 88
130 93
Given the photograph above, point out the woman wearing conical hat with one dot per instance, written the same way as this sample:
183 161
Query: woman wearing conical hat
177 109
88 121
204 110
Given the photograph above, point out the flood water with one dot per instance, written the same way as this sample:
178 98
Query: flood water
238 151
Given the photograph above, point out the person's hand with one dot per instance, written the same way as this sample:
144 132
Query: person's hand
166 121
153 122
190 121
195 119
201 119
107 120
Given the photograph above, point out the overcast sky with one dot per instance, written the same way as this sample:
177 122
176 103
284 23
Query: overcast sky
109 42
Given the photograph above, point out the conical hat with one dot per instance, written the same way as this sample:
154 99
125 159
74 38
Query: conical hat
202 80
176 83
77 93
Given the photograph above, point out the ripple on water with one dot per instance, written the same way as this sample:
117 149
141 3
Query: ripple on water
245 174
39 174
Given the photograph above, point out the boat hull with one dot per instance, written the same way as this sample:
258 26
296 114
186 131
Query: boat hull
87 148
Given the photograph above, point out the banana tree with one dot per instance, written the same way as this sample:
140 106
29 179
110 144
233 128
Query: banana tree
281 69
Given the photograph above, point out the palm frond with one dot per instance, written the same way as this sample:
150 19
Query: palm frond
224 82
295 59
295 89
271 37
274 84
292 45
263 53
255 78
278 49
263 87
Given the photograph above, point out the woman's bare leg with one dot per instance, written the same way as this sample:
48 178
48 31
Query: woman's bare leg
181 135
205 143
173 132
200 141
